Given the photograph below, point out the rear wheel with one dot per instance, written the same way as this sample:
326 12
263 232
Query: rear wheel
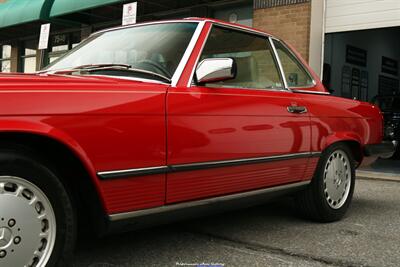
330 193
37 221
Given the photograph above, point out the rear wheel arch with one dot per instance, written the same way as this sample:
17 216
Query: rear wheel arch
329 194
356 149
351 139
354 146
72 171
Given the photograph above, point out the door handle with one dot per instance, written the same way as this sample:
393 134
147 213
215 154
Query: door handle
297 109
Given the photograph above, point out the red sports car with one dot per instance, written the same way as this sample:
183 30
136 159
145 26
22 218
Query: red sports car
151 122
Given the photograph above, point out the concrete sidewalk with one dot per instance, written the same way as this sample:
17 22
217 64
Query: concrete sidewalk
362 174
382 169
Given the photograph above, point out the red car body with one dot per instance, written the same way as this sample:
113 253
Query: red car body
119 129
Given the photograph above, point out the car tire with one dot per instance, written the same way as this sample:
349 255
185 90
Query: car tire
37 217
330 192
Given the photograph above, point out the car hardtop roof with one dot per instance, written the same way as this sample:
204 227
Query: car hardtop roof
190 19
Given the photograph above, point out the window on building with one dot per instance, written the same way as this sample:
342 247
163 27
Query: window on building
5 59
29 56
295 73
256 66
62 43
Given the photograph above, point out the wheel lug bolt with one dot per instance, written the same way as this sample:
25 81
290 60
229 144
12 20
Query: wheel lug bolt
3 253
17 240
11 222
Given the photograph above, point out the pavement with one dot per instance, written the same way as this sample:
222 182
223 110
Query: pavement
268 235
383 169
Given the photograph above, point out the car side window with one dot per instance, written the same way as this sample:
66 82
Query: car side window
296 75
255 62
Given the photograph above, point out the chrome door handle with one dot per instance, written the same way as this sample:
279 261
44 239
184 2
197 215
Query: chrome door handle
297 109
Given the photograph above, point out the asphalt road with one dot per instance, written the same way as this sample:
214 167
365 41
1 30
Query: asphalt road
267 235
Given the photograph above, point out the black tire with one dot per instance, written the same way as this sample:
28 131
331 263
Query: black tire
312 202
29 166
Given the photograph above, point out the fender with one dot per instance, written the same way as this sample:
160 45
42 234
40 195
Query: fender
39 128
340 137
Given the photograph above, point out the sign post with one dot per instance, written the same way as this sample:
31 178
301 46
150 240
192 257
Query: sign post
129 13
43 42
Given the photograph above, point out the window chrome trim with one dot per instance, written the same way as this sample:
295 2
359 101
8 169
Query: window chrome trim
148 23
244 30
182 64
309 91
201 165
189 49
254 89
283 77
204 202
191 77
314 83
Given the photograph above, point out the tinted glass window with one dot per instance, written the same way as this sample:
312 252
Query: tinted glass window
157 48
296 75
256 67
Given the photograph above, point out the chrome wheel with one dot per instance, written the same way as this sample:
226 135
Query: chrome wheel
27 224
337 179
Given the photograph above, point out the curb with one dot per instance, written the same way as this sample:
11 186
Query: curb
384 176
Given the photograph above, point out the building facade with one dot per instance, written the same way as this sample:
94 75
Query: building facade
353 44
71 23
73 20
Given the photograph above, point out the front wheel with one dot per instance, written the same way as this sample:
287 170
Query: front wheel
330 193
37 222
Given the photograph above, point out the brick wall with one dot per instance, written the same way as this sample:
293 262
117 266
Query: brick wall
291 23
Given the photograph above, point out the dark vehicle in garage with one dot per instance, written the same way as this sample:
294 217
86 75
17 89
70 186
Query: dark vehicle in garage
390 106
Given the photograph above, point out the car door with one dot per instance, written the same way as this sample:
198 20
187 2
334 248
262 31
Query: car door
235 135
300 81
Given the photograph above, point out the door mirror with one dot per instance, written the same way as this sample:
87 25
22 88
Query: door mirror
215 70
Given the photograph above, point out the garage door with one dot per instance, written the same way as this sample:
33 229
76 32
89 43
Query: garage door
350 15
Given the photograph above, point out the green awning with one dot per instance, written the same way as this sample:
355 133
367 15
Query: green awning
63 7
13 12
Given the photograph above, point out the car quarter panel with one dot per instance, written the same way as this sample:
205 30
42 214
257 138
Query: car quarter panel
119 125
335 119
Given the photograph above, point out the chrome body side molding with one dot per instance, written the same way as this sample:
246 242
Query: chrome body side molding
200 165
133 172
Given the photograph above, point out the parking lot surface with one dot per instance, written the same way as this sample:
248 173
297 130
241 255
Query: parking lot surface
267 235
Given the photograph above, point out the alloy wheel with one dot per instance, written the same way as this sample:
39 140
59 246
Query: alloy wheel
27 224
337 179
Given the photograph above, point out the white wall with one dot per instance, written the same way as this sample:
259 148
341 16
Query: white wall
378 43
350 15
316 49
